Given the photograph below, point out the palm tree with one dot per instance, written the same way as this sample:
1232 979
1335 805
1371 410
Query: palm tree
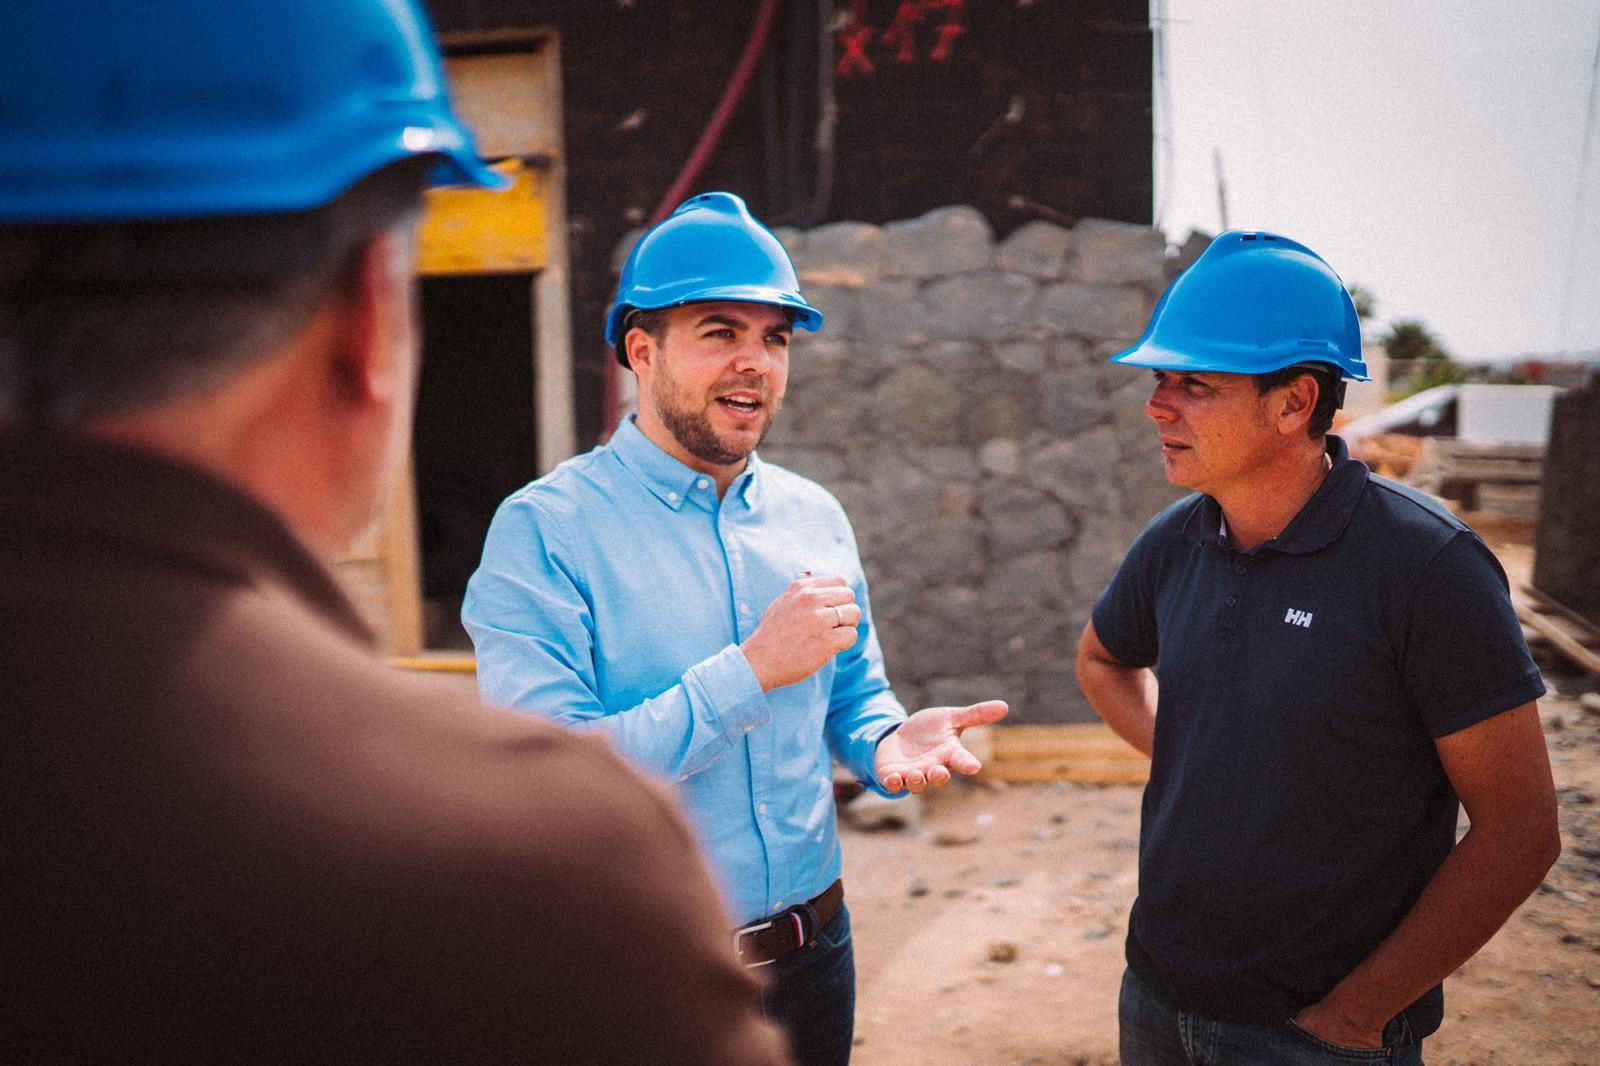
1417 359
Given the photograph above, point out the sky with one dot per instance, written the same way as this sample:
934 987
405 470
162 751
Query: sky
1431 150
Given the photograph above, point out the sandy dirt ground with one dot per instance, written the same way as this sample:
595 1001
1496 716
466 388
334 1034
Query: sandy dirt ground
992 931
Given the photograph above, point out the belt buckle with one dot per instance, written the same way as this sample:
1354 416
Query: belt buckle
751 930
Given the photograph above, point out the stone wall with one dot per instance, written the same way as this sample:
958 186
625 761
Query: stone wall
1036 111
996 467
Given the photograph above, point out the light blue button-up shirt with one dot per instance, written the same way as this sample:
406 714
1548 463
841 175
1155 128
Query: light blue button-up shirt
613 595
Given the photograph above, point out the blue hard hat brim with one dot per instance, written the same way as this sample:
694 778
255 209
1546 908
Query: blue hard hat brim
1156 357
174 185
806 317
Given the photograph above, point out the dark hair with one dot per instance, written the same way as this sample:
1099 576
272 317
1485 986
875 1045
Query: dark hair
107 318
1328 390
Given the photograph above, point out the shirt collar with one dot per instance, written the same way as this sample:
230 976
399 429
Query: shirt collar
670 480
1319 522
141 503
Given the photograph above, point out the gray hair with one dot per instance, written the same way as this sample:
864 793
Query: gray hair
112 318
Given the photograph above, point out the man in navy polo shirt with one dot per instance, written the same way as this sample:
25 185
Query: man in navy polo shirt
1338 667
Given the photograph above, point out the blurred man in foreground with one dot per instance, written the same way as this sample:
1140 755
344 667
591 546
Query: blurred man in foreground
229 832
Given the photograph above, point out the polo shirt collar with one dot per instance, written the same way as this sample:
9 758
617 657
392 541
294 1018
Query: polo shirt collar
670 480
1319 522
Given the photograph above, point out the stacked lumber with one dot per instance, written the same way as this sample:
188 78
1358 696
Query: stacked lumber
1574 636
1499 479
1394 455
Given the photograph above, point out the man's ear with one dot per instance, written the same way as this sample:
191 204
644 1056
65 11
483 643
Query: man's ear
375 356
1297 404
640 347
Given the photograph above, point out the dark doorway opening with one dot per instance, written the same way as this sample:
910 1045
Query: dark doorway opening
475 438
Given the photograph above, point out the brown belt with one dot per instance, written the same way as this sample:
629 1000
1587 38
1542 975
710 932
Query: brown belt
765 942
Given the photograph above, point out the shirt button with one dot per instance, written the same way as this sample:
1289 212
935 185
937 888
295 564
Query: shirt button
1238 568
702 484
673 496
761 808
744 608
1232 600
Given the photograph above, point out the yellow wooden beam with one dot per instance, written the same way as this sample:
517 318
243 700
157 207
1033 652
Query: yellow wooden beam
480 231
444 662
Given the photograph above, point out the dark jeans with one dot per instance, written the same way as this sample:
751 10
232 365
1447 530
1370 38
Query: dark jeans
1155 1033
812 994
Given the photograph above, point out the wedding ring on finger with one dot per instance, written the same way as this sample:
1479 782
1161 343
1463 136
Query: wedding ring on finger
838 617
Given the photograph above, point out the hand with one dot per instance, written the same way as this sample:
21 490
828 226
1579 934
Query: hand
814 620
924 749
1319 1019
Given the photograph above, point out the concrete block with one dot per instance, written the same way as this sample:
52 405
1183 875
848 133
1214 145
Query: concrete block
986 305
959 359
1001 403
1001 457
843 254
839 305
1038 249
1080 471
1022 519
948 548
1028 356
1071 400
916 403
1093 312
1117 253
1038 577
946 691
1030 637
950 462
891 314
946 240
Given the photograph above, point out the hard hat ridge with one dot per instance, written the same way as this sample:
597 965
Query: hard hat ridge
710 248
194 108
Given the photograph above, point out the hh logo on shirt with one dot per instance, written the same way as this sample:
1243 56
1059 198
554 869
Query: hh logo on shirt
1298 618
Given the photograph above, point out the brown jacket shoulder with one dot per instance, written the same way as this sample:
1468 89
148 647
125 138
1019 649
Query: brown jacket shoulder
232 834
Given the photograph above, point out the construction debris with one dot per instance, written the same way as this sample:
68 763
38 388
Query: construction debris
1498 479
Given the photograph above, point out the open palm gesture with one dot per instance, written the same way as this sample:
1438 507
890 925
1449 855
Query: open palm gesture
921 753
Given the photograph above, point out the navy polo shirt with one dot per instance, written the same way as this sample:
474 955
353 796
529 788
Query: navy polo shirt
1296 805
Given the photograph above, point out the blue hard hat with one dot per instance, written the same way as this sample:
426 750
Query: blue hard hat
1251 304
197 108
710 248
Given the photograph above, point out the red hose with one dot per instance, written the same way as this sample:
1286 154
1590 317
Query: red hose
690 173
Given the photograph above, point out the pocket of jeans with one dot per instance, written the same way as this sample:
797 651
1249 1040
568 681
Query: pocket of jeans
835 933
1350 1054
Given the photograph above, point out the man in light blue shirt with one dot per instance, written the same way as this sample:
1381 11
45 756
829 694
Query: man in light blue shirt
708 611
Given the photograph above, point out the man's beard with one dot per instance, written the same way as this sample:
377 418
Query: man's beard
691 425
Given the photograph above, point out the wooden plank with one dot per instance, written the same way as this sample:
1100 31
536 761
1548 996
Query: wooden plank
1572 634
1089 753
1493 526
1487 470
1094 740
1452 449
1498 497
